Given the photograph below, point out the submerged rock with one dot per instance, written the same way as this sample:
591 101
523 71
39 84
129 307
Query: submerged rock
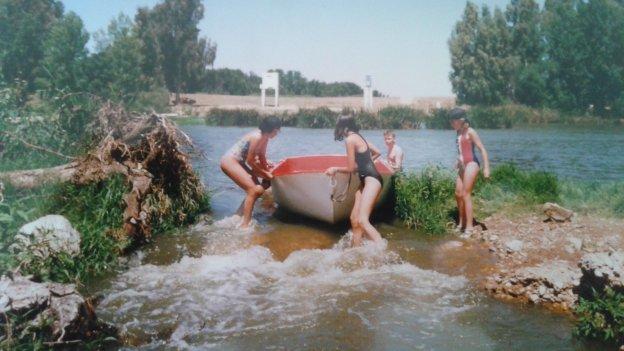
48 235
58 310
600 270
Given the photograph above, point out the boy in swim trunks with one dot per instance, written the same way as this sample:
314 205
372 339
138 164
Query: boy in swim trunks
395 152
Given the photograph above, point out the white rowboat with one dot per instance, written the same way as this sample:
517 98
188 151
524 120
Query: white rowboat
301 186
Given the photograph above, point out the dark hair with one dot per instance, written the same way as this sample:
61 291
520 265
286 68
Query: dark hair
269 124
457 113
345 123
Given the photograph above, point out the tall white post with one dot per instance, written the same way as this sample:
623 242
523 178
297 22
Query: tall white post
368 93
270 80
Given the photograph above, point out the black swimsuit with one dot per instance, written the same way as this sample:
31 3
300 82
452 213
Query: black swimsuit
366 166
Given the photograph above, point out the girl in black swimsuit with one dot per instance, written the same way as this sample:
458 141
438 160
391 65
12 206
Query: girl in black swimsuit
360 158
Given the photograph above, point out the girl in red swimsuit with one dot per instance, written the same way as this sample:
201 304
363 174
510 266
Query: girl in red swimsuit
468 166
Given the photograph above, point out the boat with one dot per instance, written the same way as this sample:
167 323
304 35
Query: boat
301 186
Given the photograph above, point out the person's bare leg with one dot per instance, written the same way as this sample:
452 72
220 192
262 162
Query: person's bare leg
470 176
356 229
372 188
459 197
239 175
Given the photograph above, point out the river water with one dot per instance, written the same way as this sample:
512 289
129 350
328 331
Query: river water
293 284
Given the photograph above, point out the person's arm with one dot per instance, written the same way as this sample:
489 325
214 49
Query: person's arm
375 153
398 159
351 166
254 151
262 156
486 161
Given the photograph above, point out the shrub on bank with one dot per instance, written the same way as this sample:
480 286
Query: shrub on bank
400 117
426 199
602 316
321 117
232 118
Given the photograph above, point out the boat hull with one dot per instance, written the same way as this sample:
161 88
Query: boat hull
300 186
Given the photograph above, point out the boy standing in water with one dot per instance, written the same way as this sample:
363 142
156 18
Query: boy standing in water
395 153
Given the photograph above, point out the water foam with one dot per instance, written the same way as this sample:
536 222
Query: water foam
232 292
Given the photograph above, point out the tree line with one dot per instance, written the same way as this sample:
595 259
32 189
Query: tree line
45 49
566 54
236 82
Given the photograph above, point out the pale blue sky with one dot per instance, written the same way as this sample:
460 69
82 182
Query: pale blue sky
401 43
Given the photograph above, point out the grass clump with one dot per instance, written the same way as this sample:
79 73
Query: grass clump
424 200
602 316
95 210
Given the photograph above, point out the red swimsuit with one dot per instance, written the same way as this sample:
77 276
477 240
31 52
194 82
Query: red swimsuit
466 149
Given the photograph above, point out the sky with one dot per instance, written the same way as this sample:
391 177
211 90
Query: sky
402 44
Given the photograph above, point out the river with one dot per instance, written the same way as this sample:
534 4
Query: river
293 284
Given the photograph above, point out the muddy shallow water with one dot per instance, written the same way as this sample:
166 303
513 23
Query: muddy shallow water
293 284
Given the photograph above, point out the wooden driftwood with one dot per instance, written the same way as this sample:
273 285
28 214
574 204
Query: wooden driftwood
146 150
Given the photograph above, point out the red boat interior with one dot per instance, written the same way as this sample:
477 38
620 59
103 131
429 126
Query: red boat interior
318 164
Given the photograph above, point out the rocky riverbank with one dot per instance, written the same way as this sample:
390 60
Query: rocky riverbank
550 261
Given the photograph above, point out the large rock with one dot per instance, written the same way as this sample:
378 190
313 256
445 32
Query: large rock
58 309
600 270
552 282
557 213
48 235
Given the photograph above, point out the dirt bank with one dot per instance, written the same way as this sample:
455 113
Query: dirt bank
204 102
537 261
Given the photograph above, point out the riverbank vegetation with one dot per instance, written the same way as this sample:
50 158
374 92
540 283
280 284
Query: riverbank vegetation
401 117
562 56
392 117
425 199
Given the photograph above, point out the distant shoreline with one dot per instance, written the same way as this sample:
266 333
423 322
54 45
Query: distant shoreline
203 103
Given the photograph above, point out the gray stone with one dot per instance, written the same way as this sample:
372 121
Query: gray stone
47 236
37 304
514 245
23 295
576 244
603 269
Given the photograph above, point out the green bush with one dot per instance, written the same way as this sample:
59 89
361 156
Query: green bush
440 118
602 316
489 117
321 117
424 200
400 117
232 118
367 120
156 100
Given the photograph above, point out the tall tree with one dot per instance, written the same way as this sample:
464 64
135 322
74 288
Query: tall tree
524 17
466 76
23 28
64 55
115 70
602 26
171 41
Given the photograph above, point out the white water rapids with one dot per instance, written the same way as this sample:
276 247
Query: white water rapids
236 291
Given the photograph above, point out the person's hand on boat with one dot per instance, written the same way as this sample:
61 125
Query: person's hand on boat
331 171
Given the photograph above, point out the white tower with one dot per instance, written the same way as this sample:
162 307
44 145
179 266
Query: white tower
270 80
368 93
